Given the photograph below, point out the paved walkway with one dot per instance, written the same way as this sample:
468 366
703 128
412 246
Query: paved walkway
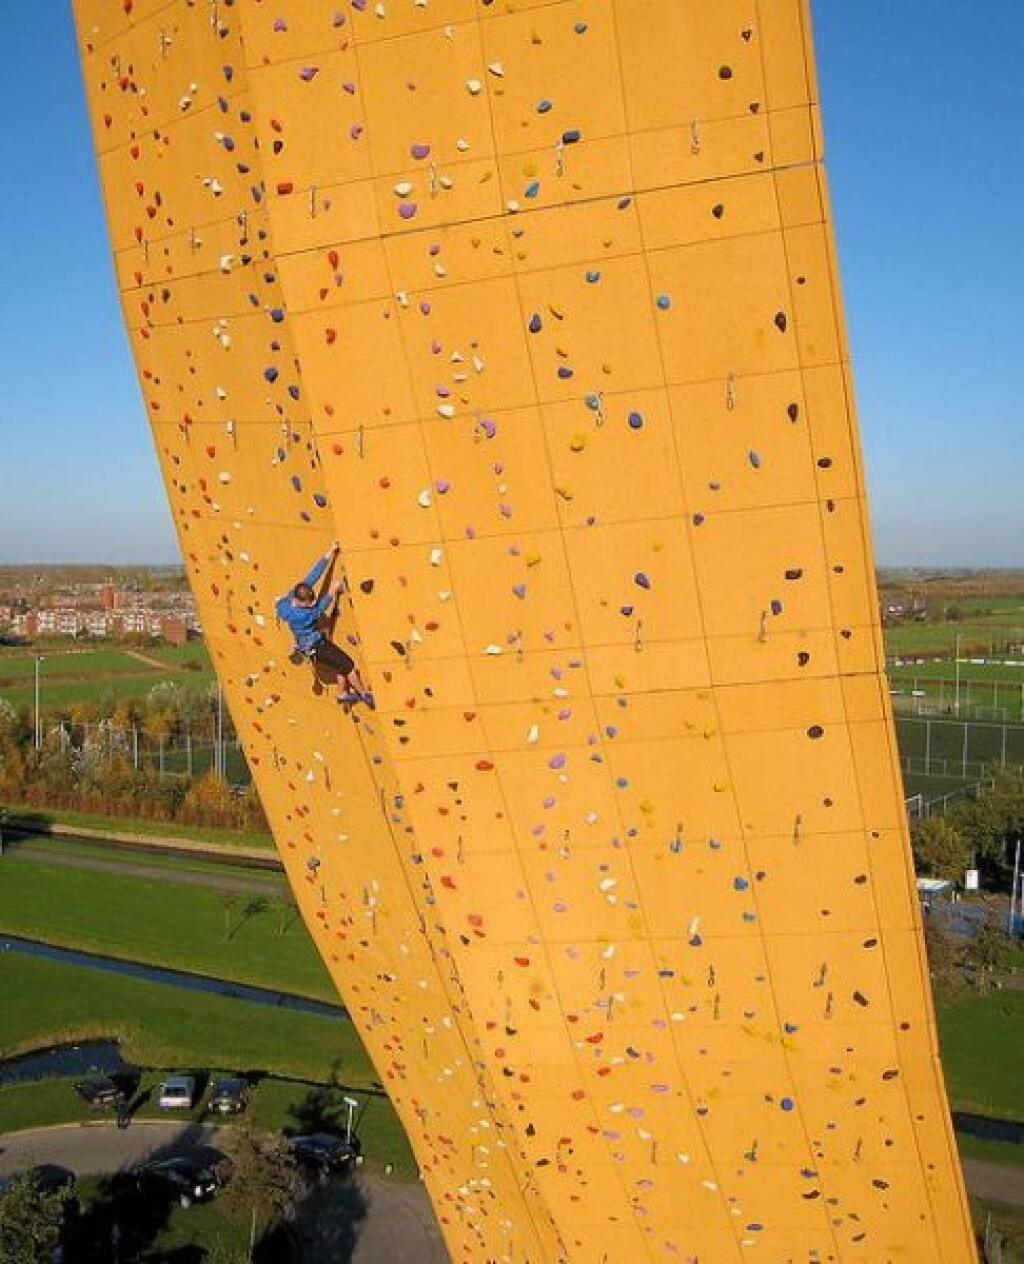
50 853
33 824
995 1182
367 1220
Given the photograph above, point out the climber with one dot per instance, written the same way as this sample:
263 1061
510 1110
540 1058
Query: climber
302 610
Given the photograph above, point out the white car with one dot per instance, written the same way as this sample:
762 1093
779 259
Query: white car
177 1092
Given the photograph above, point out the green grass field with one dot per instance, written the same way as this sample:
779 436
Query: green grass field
982 1038
159 922
48 1003
68 676
909 638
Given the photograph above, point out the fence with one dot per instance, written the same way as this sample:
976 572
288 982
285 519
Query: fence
963 748
999 700
193 749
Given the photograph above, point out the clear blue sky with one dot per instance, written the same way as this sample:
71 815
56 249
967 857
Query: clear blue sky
923 105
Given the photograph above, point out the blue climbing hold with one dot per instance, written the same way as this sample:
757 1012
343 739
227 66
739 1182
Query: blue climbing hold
641 580
536 324
636 421
664 302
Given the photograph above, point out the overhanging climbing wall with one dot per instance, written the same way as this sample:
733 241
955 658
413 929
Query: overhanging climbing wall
534 306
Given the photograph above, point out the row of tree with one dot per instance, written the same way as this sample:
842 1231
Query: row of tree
977 832
97 776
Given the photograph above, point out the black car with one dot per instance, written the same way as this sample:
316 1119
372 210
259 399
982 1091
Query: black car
99 1092
50 1178
190 1181
324 1153
228 1097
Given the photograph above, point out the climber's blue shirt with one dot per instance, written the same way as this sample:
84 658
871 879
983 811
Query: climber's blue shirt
303 620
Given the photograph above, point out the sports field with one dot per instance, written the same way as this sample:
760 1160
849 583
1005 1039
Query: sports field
72 676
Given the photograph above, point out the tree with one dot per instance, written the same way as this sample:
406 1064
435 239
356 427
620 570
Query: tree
992 822
940 849
30 1221
264 1178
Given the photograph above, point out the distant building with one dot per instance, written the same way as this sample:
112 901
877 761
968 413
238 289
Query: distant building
110 596
174 631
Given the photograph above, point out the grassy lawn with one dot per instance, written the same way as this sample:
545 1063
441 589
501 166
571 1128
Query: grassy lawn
158 922
131 825
1003 1152
907 638
982 1040
66 693
946 670
47 1003
66 664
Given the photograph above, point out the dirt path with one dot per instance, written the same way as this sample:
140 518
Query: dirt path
158 663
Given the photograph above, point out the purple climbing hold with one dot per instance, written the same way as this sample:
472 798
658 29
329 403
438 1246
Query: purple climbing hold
308 73
787 1103
277 314
271 374
636 421
536 324
443 486
407 210
556 761
320 501
641 580
419 151
488 427
564 372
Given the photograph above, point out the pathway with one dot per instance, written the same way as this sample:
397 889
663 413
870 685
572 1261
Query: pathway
52 854
995 1182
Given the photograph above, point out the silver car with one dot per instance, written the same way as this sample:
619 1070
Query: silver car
177 1092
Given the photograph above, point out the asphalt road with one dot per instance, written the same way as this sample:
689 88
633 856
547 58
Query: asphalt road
368 1220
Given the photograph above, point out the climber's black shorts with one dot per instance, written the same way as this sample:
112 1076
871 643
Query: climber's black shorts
326 654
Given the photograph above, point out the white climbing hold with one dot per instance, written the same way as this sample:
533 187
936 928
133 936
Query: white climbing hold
425 498
533 733
473 86
493 649
436 557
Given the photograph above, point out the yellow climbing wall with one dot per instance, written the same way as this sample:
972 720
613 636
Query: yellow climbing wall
533 305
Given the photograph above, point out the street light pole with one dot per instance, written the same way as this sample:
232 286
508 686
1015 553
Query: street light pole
38 717
352 1105
956 704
